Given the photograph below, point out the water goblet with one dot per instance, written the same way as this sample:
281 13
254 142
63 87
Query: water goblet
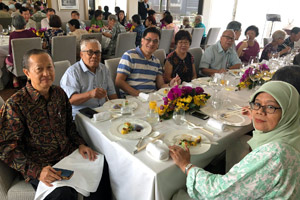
179 116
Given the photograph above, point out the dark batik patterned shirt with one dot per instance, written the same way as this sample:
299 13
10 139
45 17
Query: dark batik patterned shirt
35 132
287 42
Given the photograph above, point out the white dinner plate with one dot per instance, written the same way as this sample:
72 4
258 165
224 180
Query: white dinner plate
235 72
109 105
163 91
234 119
171 138
117 127
201 81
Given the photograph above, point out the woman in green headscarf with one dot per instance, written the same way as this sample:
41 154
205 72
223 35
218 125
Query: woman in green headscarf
270 171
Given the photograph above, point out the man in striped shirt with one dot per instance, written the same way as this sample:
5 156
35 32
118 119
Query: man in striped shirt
139 71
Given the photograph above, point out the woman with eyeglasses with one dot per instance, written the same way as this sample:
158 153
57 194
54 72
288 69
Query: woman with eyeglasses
180 62
271 169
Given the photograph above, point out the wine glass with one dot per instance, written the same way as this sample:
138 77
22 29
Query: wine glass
266 76
255 75
215 82
246 41
179 116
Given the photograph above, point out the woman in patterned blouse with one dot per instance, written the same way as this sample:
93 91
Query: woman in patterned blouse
180 61
271 170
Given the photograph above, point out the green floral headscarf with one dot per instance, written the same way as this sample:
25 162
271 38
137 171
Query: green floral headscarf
288 128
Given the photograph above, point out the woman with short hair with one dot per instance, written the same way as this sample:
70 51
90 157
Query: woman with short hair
180 62
271 48
249 47
122 18
55 30
19 23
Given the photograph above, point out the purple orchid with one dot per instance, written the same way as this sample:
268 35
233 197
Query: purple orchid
165 99
186 90
199 90
264 67
174 93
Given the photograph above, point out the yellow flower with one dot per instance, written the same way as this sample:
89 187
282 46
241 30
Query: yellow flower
152 105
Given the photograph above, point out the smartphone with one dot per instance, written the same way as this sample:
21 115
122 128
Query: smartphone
65 174
88 112
200 115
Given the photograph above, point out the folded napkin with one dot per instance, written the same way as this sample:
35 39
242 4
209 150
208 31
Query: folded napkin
86 177
101 116
158 150
144 96
186 84
216 124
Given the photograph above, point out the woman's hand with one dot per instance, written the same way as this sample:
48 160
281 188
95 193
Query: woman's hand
180 156
175 81
247 111
87 151
49 175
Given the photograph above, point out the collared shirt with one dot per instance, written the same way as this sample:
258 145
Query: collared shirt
82 26
118 28
270 171
35 132
30 24
37 15
45 23
141 73
79 79
215 57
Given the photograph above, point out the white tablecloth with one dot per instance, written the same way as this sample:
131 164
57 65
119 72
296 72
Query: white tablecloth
140 177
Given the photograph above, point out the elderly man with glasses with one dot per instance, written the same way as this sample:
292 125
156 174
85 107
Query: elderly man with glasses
88 82
139 71
220 57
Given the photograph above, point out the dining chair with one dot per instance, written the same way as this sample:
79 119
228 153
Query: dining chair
166 39
64 48
1 102
161 55
19 48
125 42
97 36
190 30
63 26
87 23
38 19
112 65
60 68
267 41
197 37
5 22
197 54
211 38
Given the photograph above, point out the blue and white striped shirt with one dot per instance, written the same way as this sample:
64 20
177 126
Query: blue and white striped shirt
141 73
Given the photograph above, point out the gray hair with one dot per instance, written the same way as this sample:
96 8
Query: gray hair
18 22
113 17
234 25
84 42
199 17
278 35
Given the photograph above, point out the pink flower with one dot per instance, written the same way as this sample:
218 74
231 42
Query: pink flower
165 99
264 67
199 90
186 90
174 93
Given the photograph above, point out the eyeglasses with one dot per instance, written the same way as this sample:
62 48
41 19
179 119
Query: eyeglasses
150 40
91 52
228 37
267 109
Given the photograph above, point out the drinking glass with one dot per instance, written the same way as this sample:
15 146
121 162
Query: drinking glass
179 116
255 75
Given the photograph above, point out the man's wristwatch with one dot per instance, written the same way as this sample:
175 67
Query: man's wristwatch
187 167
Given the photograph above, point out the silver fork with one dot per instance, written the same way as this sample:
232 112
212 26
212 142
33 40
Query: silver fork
192 125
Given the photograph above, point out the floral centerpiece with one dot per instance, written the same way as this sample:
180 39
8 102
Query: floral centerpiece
92 29
40 33
129 26
186 98
262 73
